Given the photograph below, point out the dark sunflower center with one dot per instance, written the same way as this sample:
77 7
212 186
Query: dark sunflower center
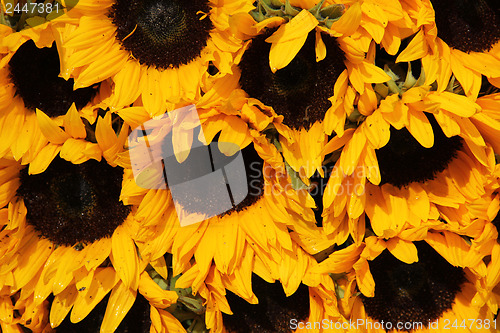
162 33
208 180
35 75
294 78
403 160
71 204
272 314
137 319
300 91
76 196
163 22
468 25
417 293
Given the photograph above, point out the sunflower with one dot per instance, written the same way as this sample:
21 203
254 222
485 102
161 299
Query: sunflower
71 217
221 236
29 72
407 160
426 282
276 79
459 38
150 49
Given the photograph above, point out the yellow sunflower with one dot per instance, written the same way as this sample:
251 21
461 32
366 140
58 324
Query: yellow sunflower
154 50
421 154
276 79
29 73
423 282
262 213
459 38
66 232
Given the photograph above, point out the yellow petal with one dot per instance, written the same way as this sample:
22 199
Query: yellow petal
416 49
364 278
289 38
320 47
454 103
418 201
124 257
420 128
235 132
377 130
120 301
134 116
43 159
403 250
127 84
372 168
349 21
337 142
106 137
73 124
104 280
352 152
454 249
72 150
110 63
154 294
50 129
62 304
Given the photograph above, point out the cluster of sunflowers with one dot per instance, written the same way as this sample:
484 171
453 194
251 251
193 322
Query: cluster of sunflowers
369 131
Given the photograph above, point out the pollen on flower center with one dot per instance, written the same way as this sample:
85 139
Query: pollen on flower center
35 75
300 91
468 25
160 33
74 203
403 160
418 292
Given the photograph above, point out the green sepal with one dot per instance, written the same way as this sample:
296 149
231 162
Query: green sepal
291 10
267 6
316 9
332 12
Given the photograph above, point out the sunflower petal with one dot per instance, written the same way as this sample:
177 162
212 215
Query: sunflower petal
120 301
124 258
289 38
50 129
403 250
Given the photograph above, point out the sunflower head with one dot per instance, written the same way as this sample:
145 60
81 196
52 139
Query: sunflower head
35 74
418 292
162 34
404 160
70 204
301 90
468 25
272 313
